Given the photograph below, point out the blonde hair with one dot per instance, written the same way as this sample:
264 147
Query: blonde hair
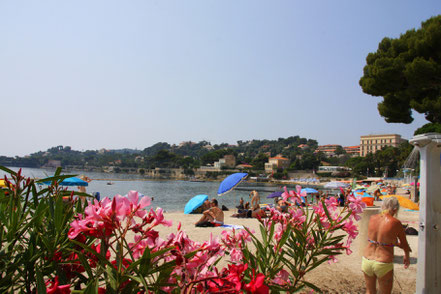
389 204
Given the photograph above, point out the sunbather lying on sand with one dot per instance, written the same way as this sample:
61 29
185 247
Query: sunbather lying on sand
250 213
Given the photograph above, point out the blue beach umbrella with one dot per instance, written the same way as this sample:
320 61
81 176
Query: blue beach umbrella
309 191
230 182
194 203
73 181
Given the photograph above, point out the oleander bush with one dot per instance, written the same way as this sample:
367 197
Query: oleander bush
52 243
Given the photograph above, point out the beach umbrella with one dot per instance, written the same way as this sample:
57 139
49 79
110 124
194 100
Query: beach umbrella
362 194
73 181
275 194
335 185
309 191
195 203
404 202
230 182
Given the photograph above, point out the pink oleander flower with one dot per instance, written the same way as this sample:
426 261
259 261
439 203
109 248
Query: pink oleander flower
297 216
331 204
236 255
149 239
136 205
159 218
281 278
101 218
278 232
356 205
350 228
332 259
294 196
257 284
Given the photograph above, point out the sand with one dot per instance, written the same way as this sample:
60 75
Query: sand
344 276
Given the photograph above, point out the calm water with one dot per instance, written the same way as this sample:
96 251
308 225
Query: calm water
171 195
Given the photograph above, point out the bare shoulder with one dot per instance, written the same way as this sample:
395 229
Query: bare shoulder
396 222
375 218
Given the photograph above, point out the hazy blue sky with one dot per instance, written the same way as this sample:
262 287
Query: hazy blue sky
115 74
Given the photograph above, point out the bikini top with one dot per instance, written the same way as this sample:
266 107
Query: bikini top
381 243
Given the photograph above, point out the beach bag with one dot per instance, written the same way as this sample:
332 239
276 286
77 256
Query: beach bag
411 231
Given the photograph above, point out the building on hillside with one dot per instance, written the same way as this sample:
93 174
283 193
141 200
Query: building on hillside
230 160
303 146
373 143
352 150
328 150
276 162
139 158
182 144
227 161
208 147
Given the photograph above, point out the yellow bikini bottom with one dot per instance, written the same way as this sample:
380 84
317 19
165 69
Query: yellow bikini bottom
376 268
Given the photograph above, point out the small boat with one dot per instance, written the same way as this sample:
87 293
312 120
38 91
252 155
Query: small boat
109 183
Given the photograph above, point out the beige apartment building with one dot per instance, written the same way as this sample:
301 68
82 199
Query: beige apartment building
373 143
276 162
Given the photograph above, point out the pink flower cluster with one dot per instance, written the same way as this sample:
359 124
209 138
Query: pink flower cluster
108 221
101 218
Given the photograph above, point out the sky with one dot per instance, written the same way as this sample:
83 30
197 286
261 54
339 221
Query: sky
128 74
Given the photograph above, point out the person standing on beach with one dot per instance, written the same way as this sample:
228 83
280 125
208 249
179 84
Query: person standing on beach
255 200
82 189
384 233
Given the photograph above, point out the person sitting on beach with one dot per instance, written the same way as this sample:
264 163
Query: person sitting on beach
384 232
206 205
241 205
211 217
282 205
377 195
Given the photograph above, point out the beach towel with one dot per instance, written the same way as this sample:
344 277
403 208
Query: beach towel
236 227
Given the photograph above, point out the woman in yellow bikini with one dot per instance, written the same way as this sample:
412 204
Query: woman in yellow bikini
384 232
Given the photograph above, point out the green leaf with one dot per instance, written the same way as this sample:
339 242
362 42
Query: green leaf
41 286
7 170
92 287
312 286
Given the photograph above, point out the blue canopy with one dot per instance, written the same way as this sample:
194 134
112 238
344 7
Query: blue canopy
73 181
230 182
363 194
309 190
194 203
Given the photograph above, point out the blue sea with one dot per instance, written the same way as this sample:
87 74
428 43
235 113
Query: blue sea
171 195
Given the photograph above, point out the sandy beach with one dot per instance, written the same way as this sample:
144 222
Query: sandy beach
344 276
